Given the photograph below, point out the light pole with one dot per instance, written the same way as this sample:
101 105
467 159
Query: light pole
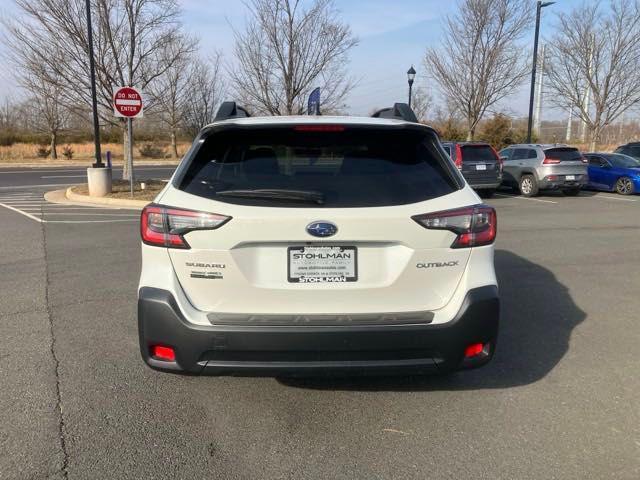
540 5
411 75
94 100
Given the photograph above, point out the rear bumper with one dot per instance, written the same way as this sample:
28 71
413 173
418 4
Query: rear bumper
315 350
545 184
485 185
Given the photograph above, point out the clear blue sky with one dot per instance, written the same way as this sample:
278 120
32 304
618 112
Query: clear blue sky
393 35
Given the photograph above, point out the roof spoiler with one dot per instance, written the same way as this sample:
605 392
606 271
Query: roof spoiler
399 111
229 110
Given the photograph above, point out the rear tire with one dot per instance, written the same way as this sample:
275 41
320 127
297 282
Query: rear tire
624 186
528 186
571 192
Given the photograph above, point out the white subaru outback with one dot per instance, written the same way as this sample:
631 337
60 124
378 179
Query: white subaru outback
317 245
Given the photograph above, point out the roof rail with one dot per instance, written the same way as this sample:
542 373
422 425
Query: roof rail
399 111
229 110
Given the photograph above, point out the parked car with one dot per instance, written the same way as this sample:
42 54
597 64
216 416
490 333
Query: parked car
614 172
532 167
479 163
309 244
631 149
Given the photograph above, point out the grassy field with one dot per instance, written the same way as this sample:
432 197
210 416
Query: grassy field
83 152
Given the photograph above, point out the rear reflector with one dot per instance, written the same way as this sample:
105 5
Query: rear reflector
473 350
165 226
319 128
160 352
475 226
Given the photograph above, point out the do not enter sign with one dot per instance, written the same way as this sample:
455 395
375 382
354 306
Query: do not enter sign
127 102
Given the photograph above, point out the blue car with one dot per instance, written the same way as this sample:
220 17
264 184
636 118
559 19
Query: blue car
613 172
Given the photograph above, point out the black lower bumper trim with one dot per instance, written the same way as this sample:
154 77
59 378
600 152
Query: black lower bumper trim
311 350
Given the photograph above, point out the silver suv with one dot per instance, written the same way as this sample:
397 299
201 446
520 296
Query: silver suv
533 167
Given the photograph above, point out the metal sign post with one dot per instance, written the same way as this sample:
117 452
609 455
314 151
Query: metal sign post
130 148
128 103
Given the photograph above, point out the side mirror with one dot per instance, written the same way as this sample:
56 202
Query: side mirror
503 158
605 165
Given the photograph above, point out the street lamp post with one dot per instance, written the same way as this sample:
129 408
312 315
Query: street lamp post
540 5
94 100
411 75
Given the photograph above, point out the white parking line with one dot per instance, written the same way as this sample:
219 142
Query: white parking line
94 214
524 198
89 221
64 176
28 215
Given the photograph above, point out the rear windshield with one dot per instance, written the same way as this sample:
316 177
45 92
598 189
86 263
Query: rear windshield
356 167
564 154
482 153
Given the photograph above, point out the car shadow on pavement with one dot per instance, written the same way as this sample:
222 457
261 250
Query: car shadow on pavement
537 318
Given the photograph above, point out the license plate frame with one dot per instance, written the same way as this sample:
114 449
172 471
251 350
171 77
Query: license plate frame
569 177
481 166
349 265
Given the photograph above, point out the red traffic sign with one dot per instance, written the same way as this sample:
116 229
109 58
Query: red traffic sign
127 102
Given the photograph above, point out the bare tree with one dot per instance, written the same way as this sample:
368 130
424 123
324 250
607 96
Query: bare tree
207 89
170 90
598 53
48 113
128 36
480 62
421 103
286 50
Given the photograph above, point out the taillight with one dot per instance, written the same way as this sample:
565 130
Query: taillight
475 226
550 161
459 157
165 226
500 162
584 159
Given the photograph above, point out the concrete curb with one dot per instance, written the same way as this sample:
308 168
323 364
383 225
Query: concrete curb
111 202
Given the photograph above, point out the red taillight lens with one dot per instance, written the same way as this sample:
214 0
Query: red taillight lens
319 128
459 157
475 226
473 350
499 160
550 161
166 354
164 226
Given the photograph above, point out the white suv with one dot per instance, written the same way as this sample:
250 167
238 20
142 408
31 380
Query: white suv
311 244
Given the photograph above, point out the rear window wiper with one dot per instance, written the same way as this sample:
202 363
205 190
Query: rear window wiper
276 194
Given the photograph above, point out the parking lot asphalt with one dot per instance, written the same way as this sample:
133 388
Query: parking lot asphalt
559 400
21 178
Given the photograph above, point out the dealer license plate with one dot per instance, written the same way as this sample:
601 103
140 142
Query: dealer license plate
322 264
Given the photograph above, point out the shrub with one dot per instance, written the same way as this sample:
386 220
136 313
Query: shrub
67 151
43 151
150 150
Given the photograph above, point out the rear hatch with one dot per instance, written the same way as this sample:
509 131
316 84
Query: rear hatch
479 162
321 221
565 161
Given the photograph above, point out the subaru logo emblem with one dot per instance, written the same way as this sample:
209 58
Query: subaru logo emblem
322 229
